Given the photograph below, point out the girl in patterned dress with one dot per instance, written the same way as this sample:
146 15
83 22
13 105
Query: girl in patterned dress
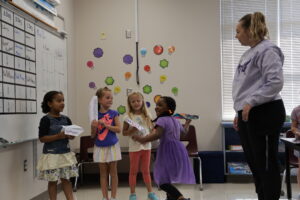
57 161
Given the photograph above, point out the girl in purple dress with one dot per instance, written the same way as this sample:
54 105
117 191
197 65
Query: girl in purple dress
172 163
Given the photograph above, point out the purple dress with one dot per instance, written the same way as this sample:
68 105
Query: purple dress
172 164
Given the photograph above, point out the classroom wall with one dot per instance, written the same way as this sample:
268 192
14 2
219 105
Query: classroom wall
15 183
192 26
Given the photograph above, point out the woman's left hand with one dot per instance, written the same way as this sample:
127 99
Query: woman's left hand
245 113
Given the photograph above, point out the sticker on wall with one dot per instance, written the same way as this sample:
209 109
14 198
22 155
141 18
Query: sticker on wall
158 49
103 36
98 52
147 68
147 89
164 63
127 59
143 51
109 80
156 98
148 104
162 78
90 64
92 85
128 91
121 109
127 75
171 49
117 89
175 91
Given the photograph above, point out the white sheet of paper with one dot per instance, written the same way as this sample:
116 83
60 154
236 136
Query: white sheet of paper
136 125
73 130
93 109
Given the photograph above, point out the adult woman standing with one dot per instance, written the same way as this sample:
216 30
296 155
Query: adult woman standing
260 111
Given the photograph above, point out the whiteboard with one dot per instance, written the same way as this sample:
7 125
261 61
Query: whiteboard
32 62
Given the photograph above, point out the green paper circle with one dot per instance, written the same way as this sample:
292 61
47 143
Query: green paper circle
147 89
109 80
121 109
164 63
175 91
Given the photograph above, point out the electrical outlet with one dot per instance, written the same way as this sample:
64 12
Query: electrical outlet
25 165
128 33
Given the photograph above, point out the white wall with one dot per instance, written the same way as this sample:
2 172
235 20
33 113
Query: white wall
192 26
15 183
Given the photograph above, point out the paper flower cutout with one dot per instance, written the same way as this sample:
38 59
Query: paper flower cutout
92 85
147 89
90 64
147 68
117 89
143 51
175 91
127 75
162 78
121 109
127 59
109 80
158 49
171 49
156 98
164 63
148 104
98 52
102 36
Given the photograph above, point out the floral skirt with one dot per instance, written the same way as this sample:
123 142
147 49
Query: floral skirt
57 174
53 167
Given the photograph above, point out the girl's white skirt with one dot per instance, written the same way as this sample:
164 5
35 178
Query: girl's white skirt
107 154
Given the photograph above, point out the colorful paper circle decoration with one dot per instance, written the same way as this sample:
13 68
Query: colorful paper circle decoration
175 91
162 78
147 89
98 52
127 75
109 80
158 49
92 85
117 89
171 49
148 104
143 51
90 64
121 109
156 98
164 63
127 59
147 68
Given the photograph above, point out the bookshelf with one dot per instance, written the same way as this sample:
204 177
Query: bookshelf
235 166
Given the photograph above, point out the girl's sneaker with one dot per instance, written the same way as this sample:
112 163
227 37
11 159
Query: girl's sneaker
113 199
132 197
152 196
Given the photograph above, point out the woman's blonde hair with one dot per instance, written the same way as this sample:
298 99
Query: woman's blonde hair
256 24
100 94
144 110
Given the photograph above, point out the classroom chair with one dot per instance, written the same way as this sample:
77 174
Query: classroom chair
293 161
85 157
192 148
